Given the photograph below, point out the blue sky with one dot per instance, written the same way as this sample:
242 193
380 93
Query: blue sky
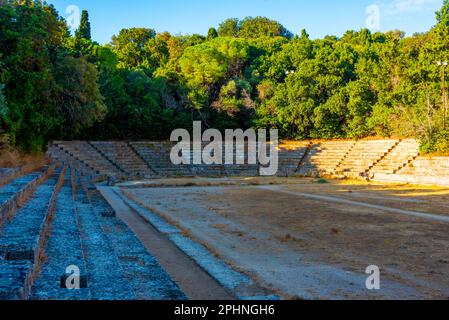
318 17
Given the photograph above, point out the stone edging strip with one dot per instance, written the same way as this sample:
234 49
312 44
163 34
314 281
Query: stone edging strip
224 274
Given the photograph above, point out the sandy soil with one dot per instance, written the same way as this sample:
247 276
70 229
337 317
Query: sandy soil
315 249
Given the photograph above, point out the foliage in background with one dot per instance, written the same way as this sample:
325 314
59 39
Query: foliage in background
247 73
3 107
48 90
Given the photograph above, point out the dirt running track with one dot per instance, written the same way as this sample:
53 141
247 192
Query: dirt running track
312 241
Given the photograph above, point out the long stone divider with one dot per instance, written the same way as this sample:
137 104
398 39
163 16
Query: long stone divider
14 198
63 250
240 284
144 273
106 277
39 255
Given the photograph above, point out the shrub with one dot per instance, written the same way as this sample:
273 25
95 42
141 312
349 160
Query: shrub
437 144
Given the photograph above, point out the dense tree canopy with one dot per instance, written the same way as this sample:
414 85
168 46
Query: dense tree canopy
248 73
262 27
229 28
46 88
130 47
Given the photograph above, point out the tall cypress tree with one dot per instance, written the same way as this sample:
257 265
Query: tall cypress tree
84 28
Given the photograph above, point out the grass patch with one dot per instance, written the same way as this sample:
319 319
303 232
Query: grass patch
12 158
321 181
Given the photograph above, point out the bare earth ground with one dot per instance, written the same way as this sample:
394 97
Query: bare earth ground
315 248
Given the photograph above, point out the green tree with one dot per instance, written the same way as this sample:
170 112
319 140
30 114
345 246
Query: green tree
29 41
204 66
235 97
129 46
262 27
157 52
78 95
442 15
229 28
84 31
58 94
212 34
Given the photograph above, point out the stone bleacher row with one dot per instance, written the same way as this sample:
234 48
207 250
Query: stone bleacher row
422 170
85 157
66 222
323 158
16 192
340 158
363 156
398 158
148 159
157 157
123 156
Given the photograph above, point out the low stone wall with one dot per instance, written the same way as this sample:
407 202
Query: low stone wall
405 178
431 171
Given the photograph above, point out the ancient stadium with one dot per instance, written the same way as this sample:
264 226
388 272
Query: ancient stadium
133 226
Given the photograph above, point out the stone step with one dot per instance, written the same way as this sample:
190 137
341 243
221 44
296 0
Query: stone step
18 190
106 277
82 151
148 279
23 239
124 157
63 250
13 278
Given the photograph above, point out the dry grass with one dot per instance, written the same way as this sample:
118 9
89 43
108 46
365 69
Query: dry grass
10 158
436 154
24 163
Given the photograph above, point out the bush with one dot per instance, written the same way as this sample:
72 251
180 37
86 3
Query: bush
438 144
